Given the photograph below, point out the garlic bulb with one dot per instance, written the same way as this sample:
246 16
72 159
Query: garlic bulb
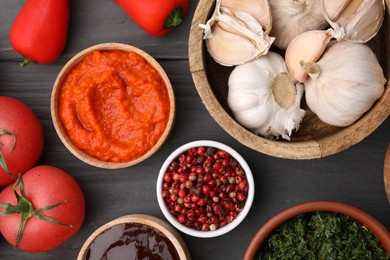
354 20
307 46
344 83
263 98
237 32
292 17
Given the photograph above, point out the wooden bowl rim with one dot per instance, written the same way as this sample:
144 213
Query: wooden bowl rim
357 214
386 172
311 149
60 129
153 222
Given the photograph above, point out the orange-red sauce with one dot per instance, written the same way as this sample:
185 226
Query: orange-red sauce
114 105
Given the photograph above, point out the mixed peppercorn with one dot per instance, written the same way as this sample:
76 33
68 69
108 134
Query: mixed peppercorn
205 188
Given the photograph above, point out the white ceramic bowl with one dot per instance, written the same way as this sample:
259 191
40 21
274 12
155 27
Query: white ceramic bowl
228 227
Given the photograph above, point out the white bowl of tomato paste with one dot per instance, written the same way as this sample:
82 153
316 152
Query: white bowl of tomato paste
112 105
205 188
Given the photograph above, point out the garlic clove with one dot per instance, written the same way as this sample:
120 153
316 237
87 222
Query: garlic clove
230 23
334 8
306 47
239 49
259 10
354 20
293 17
364 27
233 35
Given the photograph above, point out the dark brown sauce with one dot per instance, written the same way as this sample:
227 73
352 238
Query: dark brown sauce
132 241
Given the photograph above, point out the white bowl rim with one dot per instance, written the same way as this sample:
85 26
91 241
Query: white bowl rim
222 230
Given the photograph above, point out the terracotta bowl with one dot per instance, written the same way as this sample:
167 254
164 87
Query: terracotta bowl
372 224
222 230
150 221
61 130
314 139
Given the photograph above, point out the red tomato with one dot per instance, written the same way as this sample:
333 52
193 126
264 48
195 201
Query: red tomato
44 186
22 152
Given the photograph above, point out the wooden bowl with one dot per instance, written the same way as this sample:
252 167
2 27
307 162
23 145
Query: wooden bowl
150 221
314 139
365 219
386 173
61 131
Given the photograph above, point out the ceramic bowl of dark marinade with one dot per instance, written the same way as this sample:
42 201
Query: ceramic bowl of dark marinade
135 236
320 230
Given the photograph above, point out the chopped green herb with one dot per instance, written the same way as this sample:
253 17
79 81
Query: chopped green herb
323 236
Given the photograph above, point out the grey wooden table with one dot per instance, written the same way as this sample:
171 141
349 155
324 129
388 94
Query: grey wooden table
354 176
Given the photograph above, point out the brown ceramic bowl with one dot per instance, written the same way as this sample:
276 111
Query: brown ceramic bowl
154 223
365 219
61 131
314 139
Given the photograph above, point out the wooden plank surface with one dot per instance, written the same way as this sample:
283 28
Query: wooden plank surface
354 176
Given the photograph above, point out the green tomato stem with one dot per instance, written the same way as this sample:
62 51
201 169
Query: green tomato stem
26 209
4 166
2 159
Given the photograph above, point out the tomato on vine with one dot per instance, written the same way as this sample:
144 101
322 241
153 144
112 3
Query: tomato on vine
41 210
21 139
